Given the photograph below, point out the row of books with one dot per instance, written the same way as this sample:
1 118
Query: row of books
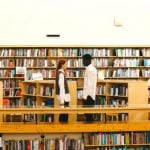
146 62
132 62
118 90
130 72
35 52
100 62
132 52
118 102
118 117
10 83
100 89
120 52
51 73
46 91
9 92
7 52
69 52
7 73
35 63
43 90
75 63
111 118
11 103
23 52
73 52
7 63
100 100
44 144
75 73
49 118
112 102
95 51
31 101
146 73
120 72
118 138
31 89
29 118
97 62
145 52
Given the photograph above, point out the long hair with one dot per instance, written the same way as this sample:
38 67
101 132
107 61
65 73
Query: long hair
60 63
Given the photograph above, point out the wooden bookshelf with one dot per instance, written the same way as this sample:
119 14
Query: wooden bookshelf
7 129
74 110
118 62
131 108
73 128
40 96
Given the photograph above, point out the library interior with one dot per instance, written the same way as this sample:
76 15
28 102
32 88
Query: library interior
75 75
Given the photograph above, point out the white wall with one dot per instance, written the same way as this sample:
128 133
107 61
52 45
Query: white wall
77 22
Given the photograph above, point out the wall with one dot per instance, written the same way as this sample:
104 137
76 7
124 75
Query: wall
77 22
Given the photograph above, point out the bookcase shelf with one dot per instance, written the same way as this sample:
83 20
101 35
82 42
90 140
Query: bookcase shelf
129 58
78 128
128 62
73 128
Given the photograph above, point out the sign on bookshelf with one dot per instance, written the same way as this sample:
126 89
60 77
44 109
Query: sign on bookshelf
20 70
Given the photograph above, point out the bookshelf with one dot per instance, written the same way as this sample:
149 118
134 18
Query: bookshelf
116 129
118 93
136 124
127 62
38 93
117 62
123 93
42 94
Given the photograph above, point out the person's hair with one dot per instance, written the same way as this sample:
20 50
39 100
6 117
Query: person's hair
60 63
87 59
87 56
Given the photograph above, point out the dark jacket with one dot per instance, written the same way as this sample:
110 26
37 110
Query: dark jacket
57 83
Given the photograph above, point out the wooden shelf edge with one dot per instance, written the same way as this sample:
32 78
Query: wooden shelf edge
74 110
73 45
73 128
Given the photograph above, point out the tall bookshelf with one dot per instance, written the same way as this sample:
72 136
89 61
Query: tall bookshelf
116 62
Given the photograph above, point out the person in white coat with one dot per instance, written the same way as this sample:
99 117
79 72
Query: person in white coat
90 81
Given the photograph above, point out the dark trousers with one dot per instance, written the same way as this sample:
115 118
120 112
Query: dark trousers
89 102
64 117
